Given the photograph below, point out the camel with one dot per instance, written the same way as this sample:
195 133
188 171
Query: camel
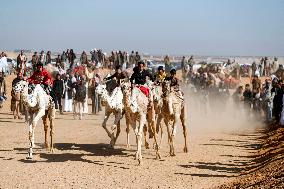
158 107
173 110
38 105
114 106
138 108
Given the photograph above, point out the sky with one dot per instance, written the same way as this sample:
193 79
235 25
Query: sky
199 27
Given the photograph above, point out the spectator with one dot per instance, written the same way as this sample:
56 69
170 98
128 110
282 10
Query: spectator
35 60
71 58
57 92
16 100
2 89
21 61
68 94
48 57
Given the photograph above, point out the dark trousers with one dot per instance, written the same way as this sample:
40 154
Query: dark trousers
57 101
96 104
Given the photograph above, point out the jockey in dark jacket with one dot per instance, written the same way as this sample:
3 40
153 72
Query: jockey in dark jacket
139 77
140 74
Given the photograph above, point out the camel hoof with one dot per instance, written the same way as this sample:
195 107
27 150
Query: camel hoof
127 146
147 145
185 150
172 154
29 156
51 150
139 161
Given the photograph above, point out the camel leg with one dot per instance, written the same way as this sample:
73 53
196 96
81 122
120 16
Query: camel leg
81 104
30 152
159 128
110 134
116 120
167 123
183 122
140 137
145 137
32 126
44 119
127 120
174 131
74 109
117 132
153 126
51 121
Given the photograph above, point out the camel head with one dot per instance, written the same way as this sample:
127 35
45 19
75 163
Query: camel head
20 86
125 87
166 88
101 89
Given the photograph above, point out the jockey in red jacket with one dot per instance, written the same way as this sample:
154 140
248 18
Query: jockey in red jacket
41 76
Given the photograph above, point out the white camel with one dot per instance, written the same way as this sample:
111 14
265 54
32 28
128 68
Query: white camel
113 105
173 110
139 109
38 105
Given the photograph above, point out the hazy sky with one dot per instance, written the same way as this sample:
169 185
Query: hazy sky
203 27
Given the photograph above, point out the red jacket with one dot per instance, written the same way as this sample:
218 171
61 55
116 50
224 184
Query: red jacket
42 77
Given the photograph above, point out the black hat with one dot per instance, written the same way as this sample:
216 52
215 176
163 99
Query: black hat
160 68
39 64
141 62
117 67
173 71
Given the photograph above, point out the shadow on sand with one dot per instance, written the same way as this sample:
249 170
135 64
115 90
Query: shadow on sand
79 152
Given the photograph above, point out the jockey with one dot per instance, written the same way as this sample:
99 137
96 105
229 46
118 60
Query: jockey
160 75
118 75
174 82
139 77
42 77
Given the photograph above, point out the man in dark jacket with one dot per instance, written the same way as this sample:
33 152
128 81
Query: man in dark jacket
140 74
277 100
114 80
57 92
247 98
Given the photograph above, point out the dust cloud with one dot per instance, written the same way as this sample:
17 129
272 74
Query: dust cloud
218 113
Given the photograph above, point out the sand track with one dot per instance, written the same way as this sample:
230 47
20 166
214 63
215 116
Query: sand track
82 159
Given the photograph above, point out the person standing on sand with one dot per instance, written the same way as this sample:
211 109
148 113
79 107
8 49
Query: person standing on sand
268 100
84 58
277 100
35 60
247 99
71 58
42 58
274 65
137 58
191 61
16 100
21 61
63 59
58 62
167 64
48 57
57 92
68 94
132 60
2 89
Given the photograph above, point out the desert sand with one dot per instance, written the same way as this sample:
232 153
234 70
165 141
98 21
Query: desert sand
82 159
